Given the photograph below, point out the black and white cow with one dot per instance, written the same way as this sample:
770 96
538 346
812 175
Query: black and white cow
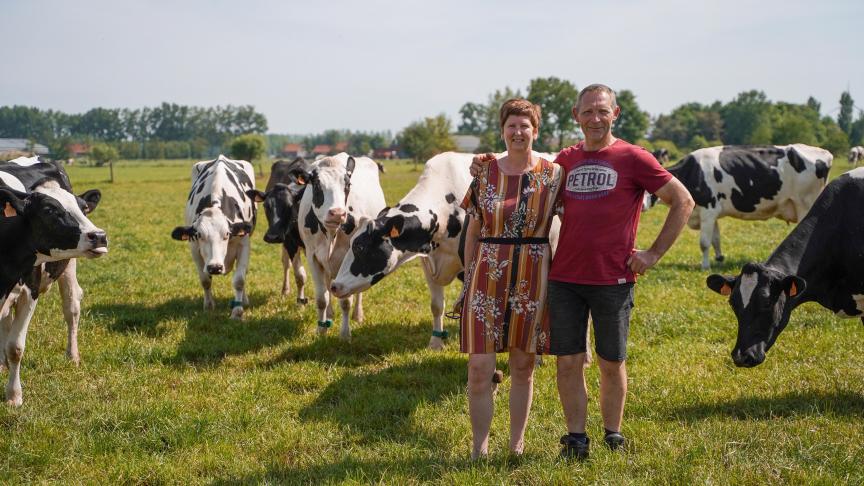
24 173
820 261
44 225
662 155
340 191
281 206
749 182
220 216
427 223
856 154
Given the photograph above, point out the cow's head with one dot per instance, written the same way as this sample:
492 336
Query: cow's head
280 206
57 222
329 184
762 299
212 231
379 247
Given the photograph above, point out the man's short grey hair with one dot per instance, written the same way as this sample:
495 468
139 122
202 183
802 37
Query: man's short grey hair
597 87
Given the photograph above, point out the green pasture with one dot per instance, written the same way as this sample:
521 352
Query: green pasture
168 393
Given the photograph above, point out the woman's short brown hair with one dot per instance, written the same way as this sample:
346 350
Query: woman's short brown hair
520 107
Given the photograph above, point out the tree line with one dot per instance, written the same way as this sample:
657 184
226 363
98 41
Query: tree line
750 118
165 131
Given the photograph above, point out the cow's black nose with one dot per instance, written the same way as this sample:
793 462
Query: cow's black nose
98 238
271 238
214 269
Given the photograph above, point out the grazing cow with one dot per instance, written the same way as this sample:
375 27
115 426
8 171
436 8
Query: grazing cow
662 155
749 182
38 227
220 216
821 260
329 211
428 222
281 205
24 174
856 154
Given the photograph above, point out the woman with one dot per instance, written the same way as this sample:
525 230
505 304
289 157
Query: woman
507 255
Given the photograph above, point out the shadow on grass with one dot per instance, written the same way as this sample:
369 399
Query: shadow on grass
368 343
210 335
728 266
837 403
380 405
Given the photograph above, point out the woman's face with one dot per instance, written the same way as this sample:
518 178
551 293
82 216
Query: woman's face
518 133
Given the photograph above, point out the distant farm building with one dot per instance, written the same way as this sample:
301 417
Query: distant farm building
466 143
15 147
292 151
385 153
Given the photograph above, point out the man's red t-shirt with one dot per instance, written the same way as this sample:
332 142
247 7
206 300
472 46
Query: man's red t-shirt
602 198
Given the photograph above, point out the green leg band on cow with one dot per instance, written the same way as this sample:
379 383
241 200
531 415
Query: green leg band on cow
325 324
441 334
236 303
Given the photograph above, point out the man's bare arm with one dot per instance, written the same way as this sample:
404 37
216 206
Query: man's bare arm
674 194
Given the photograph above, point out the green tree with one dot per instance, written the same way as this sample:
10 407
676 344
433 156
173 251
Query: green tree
687 121
856 134
746 120
556 98
844 118
814 105
423 139
473 119
836 141
249 147
632 123
102 153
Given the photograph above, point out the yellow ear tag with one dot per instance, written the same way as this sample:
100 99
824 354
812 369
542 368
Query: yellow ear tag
9 211
725 289
394 232
301 181
793 290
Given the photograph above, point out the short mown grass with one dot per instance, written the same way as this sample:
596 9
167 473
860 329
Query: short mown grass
168 393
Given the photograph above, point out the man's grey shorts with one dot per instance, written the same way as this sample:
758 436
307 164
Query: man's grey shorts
609 305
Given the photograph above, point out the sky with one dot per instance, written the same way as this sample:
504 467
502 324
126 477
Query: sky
380 65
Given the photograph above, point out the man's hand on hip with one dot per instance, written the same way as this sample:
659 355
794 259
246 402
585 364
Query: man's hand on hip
641 260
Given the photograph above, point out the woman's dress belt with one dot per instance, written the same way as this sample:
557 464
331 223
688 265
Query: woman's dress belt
515 241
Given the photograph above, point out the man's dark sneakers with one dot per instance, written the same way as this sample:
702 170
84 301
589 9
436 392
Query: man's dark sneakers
573 448
614 440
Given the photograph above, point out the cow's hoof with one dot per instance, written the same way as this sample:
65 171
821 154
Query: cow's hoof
209 306
237 313
719 258
345 336
436 343
302 300
16 401
74 358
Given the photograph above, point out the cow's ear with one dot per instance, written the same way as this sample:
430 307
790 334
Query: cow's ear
722 284
183 233
256 196
91 199
394 225
299 176
12 202
349 166
794 285
241 229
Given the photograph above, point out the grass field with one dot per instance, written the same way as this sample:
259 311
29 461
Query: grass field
168 393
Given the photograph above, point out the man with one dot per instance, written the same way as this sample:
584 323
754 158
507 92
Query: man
595 266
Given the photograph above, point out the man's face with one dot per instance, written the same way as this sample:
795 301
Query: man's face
595 115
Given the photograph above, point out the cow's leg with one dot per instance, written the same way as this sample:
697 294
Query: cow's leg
715 242
204 277
358 307
299 278
286 265
345 331
239 280
71 294
322 296
14 346
706 234
436 292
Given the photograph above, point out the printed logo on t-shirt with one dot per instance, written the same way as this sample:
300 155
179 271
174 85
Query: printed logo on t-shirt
591 180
